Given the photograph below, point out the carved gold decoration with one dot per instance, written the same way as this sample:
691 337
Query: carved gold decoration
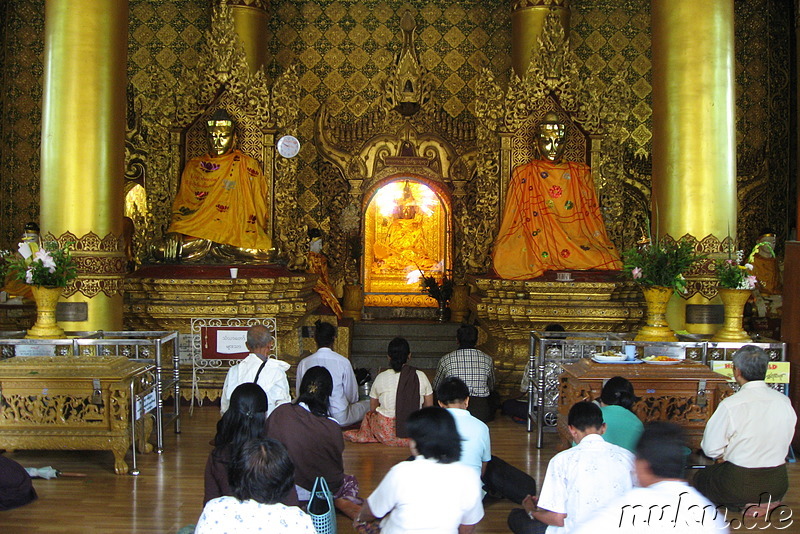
49 403
674 393
520 4
702 278
100 263
404 135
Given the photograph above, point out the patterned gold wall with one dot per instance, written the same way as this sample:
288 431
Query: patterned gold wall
343 49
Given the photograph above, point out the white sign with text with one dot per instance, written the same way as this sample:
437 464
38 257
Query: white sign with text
231 341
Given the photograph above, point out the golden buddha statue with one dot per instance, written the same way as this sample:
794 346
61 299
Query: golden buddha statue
551 220
222 207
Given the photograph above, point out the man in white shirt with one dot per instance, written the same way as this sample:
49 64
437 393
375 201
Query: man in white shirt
751 431
499 478
345 406
665 503
258 368
579 481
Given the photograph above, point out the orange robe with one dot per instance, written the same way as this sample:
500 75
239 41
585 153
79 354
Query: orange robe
318 264
224 200
552 222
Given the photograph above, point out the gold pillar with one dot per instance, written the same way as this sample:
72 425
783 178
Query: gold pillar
527 22
694 151
83 150
251 19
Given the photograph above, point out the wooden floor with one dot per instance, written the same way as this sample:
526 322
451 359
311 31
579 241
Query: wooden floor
168 493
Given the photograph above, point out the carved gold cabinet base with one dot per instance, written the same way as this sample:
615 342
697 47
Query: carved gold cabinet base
686 393
73 403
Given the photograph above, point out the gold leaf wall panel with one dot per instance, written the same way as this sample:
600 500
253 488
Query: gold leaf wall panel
343 50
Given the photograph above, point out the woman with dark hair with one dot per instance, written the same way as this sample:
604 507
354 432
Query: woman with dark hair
432 493
623 427
260 474
244 420
395 394
314 441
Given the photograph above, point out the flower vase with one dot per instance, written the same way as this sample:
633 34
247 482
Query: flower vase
734 301
656 327
46 326
443 312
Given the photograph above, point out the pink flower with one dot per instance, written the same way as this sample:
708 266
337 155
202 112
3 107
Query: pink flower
45 259
751 281
636 272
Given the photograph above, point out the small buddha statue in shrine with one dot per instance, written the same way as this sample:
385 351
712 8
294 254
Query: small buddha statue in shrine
222 207
552 220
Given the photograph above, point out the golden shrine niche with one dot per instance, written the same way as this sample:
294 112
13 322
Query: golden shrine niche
406 230
403 171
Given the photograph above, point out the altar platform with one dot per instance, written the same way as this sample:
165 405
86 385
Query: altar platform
508 310
169 297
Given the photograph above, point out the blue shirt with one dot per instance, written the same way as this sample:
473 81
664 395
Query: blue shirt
476 446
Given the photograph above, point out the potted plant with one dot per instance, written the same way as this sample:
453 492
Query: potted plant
658 268
47 270
439 288
736 282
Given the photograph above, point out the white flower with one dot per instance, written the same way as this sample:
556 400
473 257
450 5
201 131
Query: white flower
748 266
46 260
29 276
25 250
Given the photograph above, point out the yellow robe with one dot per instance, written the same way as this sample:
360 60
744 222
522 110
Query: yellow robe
224 200
552 222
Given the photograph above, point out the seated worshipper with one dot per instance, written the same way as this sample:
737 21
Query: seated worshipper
245 419
345 406
261 474
623 427
751 431
395 394
552 220
258 367
434 492
222 206
579 481
314 441
665 503
16 487
499 478
474 367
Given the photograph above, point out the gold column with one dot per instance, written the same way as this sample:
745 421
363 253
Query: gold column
83 150
694 151
527 21
251 19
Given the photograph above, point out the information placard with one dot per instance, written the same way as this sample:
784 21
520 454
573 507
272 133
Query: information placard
777 372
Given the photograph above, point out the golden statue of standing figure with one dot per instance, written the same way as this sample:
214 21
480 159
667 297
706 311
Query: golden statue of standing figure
222 207
552 220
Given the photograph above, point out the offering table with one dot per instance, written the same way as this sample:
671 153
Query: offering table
74 403
686 393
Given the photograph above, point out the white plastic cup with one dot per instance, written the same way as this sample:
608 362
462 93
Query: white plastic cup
234 272
630 352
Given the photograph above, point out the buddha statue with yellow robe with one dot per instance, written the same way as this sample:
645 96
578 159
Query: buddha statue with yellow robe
222 207
552 219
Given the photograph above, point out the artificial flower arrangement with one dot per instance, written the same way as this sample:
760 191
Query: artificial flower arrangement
49 266
733 275
661 263
440 289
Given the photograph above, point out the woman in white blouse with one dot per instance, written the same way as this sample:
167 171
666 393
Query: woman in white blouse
260 475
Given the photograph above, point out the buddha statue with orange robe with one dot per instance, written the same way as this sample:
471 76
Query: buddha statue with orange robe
552 219
221 209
